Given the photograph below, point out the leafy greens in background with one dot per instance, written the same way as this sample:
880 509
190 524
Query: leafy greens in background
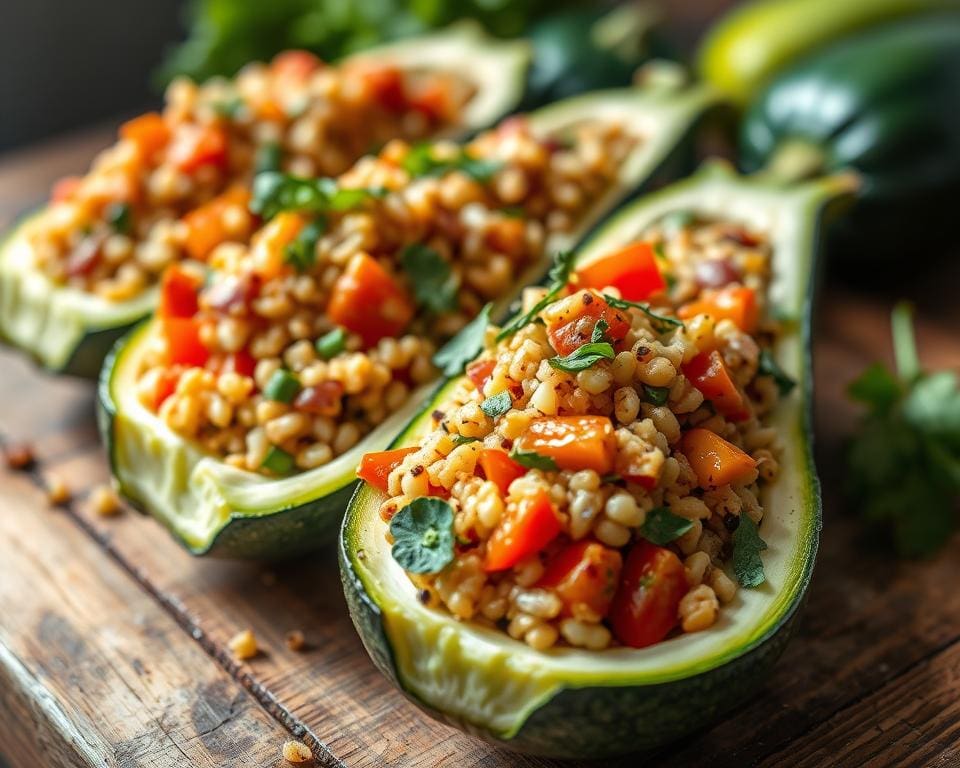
904 461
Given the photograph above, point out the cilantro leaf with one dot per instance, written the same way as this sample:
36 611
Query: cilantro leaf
533 460
663 323
274 192
465 346
747 546
119 216
434 286
559 276
423 535
583 357
301 254
656 395
420 161
662 526
770 367
497 405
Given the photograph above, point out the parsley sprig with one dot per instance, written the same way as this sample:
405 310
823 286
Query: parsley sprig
453 356
904 461
559 276
434 285
663 323
588 354
421 161
274 192
423 535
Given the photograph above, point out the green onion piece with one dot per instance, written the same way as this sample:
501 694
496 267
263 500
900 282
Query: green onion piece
332 344
278 461
282 387
656 395
119 216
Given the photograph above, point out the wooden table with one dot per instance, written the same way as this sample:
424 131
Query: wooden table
112 638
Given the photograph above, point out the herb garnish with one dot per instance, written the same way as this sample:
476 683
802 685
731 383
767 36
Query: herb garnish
533 460
268 157
423 535
747 546
904 462
583 357
332 343
420 161
662 526
466 345
497 405
434 286
119 216
301 254
559 277
656 395
770 367
274 192
463 439
660 320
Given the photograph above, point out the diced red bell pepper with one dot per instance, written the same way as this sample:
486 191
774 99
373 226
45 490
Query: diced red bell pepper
376 467
633 271
708 373
577 316
85 257
715 461
178 293
499 468
148 132
241 362
523 531
386 87
478 371
368 301
433 100
584 574
194 146
295 64
645 606
573 442
183 341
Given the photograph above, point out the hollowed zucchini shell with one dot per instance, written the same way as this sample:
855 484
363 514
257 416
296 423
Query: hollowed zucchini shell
218 510
574 703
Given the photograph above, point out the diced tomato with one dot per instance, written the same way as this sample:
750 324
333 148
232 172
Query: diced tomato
322 399
85 257
433 100
375 468
385 85
524 530
65 188
715 461
573 442
241 362
573 319
148 132
478 371
178 293
644 609
369 302
584 575
708 373
183 341
633 271
499 468
732 302
194 146
205 224
295 64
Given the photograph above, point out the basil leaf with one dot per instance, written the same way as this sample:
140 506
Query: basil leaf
420 161
559 276
662 526
660 320
583 357
423 535
434 286
332 344
453 356
301 254
274 192
533 460
497 405
656 395
747 546
120 217
770 367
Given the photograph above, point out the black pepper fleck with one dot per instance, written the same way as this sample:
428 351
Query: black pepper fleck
417 471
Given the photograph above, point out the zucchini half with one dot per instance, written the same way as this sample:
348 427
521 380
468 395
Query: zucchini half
575 703
70 331
217 510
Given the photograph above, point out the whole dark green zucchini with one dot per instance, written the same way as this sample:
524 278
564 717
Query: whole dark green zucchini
884 104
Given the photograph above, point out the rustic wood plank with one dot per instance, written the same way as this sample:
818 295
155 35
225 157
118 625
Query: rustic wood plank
93 672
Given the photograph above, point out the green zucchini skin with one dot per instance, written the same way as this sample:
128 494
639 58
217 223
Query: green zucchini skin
883 104
751 44
618 713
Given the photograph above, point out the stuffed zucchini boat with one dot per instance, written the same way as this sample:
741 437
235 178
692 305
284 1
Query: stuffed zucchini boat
549 555
82 270
238 416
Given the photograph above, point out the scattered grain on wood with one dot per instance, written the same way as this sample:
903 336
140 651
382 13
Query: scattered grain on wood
58 493
19 455
297 753
104 501
243 645
295 640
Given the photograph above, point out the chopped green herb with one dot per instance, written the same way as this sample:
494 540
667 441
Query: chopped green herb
434 286
664 322
301 254
278 461
559 277
533 460
332 343
120 217
677 220
611 478
904 462
463 439
282 386
662 526
656 395
423 535
670 279
420 161
268 157
274 192
497 405
453 356
513 211
583 357
599 333
747 546
229 108
770 367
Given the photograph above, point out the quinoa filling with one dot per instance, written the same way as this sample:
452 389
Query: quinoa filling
595 478
176 184
292 348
